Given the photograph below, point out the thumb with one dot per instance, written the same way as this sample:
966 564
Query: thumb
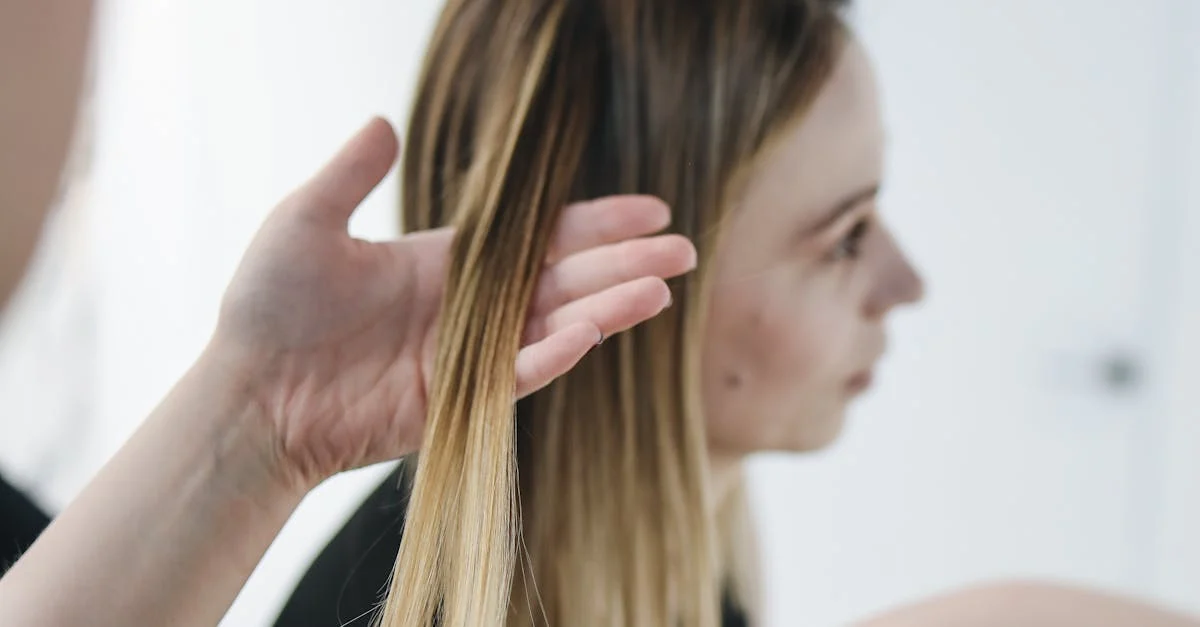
334 192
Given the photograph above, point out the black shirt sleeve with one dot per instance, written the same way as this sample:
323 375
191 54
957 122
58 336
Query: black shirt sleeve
21 522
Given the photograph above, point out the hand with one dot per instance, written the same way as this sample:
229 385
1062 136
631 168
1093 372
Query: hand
335 336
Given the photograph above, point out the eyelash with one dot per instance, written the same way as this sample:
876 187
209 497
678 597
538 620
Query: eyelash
848 246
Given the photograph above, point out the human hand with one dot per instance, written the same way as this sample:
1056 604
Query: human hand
335 336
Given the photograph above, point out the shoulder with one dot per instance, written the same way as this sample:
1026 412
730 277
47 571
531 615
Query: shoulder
1030 604
343 585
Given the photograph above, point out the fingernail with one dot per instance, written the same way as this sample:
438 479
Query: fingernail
601 340
670 300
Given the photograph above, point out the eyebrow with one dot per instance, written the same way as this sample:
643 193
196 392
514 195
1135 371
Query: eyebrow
843 207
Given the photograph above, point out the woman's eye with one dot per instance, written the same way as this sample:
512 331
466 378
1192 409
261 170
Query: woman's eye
848 247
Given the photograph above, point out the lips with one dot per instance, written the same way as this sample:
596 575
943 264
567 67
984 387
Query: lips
862 380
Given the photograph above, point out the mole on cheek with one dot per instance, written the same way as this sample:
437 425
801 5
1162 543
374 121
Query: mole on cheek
750 335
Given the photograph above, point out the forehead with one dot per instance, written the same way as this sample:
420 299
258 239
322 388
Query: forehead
840 132
834 149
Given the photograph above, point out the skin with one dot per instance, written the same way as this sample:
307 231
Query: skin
43 54
1029 604
324 341
805 279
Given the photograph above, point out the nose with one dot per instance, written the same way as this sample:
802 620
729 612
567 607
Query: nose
898 282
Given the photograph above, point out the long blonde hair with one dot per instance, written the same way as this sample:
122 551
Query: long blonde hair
589 504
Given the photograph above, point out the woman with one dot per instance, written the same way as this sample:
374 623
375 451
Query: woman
758 122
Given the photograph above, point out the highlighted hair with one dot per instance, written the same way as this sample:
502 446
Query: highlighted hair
595 489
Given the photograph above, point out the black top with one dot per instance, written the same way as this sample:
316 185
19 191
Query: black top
349 578
21 521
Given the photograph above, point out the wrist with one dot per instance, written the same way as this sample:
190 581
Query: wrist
246 444
200 496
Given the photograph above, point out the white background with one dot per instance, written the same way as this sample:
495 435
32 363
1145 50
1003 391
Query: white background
1042 174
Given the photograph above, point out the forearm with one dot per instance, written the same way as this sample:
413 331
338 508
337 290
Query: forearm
170 529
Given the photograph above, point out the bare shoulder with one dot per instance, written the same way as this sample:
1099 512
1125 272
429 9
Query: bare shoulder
1031 604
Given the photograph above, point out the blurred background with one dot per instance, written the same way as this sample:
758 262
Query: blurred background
1033 418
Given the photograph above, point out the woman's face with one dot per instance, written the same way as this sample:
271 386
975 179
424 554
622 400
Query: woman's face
804 279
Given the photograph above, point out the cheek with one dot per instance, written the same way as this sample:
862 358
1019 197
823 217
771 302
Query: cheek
775 366
762 346
766 354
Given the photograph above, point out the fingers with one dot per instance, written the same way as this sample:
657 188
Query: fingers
333 194
583 226
612 310
559 341
600 268
545 361
605 221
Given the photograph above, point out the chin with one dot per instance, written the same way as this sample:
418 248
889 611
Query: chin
816 433
807 433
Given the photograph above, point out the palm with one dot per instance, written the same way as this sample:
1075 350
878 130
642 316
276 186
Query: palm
349 327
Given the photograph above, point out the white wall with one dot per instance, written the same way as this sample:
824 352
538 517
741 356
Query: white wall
1177 576
1033 176
213 111
208 112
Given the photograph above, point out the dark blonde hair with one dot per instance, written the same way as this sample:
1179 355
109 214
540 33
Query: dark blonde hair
589 505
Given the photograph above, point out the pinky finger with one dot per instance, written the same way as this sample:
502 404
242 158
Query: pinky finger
544 361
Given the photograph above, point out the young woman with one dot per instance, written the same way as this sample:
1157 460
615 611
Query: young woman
758 122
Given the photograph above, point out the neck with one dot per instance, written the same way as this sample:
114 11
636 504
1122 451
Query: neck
724 476
736 546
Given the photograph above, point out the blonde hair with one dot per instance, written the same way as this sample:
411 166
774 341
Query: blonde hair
594 490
